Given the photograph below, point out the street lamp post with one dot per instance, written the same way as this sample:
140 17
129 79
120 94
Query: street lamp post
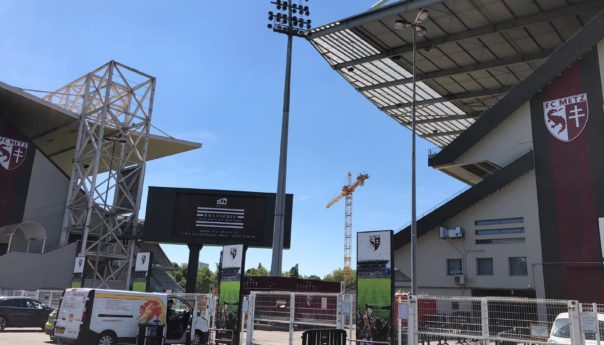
291 20
416 27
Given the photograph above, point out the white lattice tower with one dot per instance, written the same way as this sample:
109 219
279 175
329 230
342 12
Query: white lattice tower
115 103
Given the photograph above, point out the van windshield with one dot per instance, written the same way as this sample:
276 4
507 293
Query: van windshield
561 328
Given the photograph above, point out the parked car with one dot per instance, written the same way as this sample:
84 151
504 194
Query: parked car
22 312
49 327
561 330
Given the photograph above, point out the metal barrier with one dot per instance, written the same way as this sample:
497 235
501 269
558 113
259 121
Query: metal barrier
500 320
281 317
49 297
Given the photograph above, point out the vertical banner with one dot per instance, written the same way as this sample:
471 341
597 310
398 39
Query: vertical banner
567 125
231 277
375 286
16 161
142 274
78 272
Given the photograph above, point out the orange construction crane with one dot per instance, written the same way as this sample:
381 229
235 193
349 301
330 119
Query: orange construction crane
347 191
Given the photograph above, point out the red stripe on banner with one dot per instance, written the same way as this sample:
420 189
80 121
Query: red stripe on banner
573 192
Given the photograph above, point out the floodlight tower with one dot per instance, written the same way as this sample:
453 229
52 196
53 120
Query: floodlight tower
292 20
115 103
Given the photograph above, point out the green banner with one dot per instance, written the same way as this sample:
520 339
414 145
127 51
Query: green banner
229 307
375 286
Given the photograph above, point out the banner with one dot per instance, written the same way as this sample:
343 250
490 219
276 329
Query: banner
16 161
567 125
142 274
229 308
375 286
78 271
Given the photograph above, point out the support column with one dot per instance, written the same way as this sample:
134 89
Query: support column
192 267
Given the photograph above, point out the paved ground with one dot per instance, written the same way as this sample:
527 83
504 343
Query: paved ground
23 336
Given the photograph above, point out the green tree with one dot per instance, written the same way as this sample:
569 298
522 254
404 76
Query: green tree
293 272
337 275
260 271
205 279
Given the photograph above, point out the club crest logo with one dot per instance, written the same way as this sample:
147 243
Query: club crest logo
565 118
143 258
233 253
12 153
222 202
374 241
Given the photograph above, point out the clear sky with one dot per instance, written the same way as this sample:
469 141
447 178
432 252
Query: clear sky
220 78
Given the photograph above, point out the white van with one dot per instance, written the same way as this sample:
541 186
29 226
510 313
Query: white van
560 332
106 317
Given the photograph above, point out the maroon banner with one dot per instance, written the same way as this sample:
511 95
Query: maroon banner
566 120
16 160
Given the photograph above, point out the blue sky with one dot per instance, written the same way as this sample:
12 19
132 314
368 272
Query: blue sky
220 82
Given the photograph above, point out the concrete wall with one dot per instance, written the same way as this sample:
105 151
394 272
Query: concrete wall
518 199
52 270
46 200
509 140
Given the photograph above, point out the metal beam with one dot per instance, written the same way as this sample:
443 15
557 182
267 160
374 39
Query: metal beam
449 98
446 118
463 69
564 56
572 10
370 16
440 134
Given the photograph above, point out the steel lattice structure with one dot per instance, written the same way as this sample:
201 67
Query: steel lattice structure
115 103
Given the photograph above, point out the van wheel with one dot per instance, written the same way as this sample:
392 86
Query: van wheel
2 323
107 338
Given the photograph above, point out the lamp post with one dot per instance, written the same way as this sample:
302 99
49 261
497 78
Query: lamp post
417 27
289 20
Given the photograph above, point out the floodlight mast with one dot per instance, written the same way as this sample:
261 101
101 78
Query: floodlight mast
285 22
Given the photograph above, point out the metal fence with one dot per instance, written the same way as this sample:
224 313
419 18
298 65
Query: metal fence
282 317
49 297
499 320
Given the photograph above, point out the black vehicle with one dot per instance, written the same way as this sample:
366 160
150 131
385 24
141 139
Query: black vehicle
22 312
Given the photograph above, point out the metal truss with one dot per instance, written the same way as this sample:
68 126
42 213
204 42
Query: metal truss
115 103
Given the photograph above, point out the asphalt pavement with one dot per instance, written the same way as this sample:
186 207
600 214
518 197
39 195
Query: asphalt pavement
24 336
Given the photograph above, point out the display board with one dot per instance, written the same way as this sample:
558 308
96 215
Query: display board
213 217
142 274
229 307
375 286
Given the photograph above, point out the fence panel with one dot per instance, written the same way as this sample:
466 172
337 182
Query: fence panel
592 322
490 320
282 317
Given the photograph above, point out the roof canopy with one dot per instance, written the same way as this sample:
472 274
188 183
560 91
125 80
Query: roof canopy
30 230
474 51
54 129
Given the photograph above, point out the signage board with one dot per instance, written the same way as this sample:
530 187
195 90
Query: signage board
213 217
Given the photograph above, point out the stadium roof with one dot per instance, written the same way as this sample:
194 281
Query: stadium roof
473 53
54 130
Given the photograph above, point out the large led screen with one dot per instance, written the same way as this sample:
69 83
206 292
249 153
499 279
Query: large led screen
213 217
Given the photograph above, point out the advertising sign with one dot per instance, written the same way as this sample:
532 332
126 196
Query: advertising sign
16 160
141 276
375 286
229 309
78 271
213 217
567 125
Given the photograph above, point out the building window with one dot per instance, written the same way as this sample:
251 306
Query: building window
516 240
454 267
499 221
518 266
484 266
505 231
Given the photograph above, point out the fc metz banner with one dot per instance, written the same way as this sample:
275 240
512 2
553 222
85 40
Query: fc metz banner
375 286
142 272
16 160
229 309
568 127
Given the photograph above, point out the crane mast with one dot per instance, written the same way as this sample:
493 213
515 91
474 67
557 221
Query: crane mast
346 193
